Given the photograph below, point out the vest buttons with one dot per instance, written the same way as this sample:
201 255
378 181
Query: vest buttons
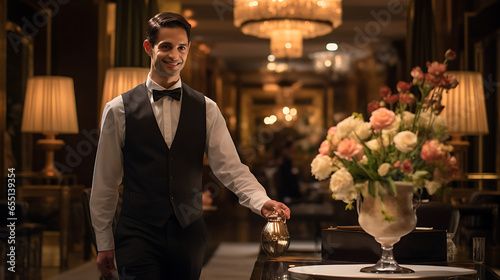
171 177
171 197
171 158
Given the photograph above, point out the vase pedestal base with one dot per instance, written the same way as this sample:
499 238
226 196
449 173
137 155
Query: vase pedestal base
386 270
387 264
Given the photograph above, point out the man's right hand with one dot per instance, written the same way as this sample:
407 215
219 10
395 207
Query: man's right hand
105 260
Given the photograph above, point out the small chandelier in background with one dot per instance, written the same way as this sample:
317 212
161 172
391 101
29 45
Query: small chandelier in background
287 22
337 62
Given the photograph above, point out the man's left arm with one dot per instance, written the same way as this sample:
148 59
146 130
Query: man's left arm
226 165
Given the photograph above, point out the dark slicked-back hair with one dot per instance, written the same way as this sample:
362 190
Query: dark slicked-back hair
166 19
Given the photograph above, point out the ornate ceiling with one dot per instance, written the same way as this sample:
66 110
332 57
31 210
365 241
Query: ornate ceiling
368 26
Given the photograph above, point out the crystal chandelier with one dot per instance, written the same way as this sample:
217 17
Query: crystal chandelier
287 22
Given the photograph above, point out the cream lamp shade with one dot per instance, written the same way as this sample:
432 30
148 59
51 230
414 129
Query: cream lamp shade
49 106
120 80
465 109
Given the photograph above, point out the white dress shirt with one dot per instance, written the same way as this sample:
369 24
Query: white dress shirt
221 154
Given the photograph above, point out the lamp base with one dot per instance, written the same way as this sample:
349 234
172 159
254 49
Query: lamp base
50 144
51 171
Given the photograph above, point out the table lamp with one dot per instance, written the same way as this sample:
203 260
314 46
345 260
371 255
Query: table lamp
119 80
465 111
50 108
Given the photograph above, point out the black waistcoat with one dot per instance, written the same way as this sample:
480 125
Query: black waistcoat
159 181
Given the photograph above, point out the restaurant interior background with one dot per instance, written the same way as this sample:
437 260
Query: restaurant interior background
376 43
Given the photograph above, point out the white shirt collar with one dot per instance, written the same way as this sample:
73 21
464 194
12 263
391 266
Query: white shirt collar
150 84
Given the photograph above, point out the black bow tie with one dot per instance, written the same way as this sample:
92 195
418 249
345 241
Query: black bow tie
174 93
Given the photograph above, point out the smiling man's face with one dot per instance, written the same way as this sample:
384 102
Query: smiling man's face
168 55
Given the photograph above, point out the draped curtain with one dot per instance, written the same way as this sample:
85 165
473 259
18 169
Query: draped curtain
131 22
421 36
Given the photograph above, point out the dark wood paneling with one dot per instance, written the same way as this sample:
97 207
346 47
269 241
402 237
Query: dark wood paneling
75 54
3 94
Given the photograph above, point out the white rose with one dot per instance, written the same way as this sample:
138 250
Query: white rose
364 160
393 128
439 123
351 125
373 145
363 130
432 186
439 127
342 186
408 118
383 169
321 167
345 127
386 140
405 141
423 119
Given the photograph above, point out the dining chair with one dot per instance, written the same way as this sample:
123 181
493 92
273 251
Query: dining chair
28 241
481 217
438 215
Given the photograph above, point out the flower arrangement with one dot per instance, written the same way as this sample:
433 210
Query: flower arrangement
402 141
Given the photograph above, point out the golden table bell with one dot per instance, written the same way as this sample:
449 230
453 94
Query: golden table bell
275 238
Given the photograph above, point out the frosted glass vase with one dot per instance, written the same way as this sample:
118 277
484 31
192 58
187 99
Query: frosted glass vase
387 232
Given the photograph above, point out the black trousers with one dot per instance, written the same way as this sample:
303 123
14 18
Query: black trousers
144 251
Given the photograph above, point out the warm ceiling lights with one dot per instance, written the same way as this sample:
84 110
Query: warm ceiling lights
332 47
287 22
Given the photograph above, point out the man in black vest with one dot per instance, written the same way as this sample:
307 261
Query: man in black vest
156 135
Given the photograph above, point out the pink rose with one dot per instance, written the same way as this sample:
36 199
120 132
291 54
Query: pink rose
448 81
431 81
397 164
403 86
332 130
452 161
407 167
385 91
407 98
382 118
435 68
450 54
391 99
349 148
418 75
372 106
449 171
324 149
453 81
452 174
431 151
